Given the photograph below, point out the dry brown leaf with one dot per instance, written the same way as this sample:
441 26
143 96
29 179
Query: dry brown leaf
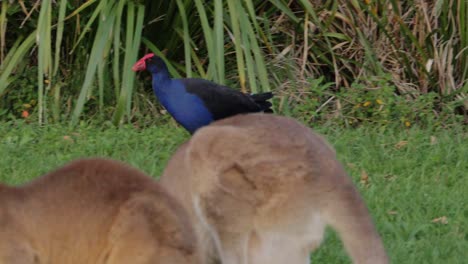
390 177
68 138
442 220
364 178
401 144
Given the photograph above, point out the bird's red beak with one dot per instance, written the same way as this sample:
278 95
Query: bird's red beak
140 65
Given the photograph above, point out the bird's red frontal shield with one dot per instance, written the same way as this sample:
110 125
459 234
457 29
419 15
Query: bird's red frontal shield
140 65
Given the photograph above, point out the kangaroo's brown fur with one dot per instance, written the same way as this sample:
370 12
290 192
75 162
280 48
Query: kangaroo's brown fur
262 188
93 211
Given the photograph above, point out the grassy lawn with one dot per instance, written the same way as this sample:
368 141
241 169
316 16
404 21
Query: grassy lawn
415 182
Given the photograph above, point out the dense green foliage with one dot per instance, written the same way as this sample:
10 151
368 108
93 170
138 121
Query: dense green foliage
406 61
413 181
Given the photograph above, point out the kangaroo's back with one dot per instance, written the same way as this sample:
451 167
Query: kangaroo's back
264 187
93 211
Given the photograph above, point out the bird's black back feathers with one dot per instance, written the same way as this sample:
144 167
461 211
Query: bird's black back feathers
223 101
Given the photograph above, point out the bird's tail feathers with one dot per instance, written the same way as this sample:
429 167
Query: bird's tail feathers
261 100
262 96
265 106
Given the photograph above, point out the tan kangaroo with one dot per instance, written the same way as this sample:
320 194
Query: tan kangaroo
95 211
261 189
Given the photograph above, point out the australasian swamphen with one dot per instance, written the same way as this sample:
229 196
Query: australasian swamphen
197 102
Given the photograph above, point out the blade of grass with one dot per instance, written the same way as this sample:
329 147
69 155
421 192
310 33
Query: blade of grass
81 8
132 43
3 27
108 10
10 53
186 38
58 42
44 56
253 17
244 22
99 44
100 75
373 63
257 52
463 32
285 10
219 40
134 51
116 60
17 56
249 59
86 29
208 34
197 63
59 34
232 5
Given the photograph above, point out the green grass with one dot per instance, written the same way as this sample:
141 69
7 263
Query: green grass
408 187
29 150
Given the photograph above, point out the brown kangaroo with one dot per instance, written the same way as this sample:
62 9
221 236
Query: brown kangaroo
93 211
262 188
